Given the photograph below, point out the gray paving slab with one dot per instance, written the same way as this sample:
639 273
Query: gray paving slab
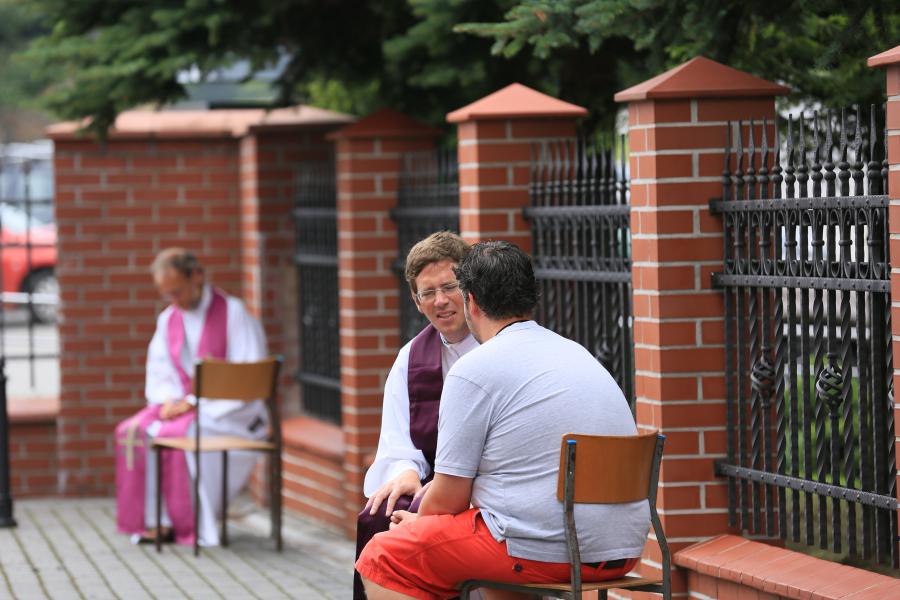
68 549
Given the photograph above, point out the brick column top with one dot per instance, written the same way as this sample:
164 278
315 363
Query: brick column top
701 77
515 101
888 57
385 123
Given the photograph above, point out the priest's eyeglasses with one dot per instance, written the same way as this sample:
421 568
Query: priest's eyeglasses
429 296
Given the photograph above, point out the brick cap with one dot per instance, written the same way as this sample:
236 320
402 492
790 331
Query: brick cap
701 77
204 123
384 123
515 101
311 435
33 410
888 57
755 564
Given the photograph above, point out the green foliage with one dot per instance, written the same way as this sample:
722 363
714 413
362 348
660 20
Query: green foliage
818 49
421 57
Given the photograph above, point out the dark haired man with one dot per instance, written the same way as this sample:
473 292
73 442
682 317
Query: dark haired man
405 458
200 322
504 410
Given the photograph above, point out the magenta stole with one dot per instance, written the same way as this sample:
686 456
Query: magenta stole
132 433
425 381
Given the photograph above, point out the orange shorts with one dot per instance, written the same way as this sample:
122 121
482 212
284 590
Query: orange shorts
431 557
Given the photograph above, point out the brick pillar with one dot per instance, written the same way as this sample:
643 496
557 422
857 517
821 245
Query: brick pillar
677 130
496 137
368 166
890 60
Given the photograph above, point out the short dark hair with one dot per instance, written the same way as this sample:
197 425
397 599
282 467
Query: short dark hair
443 245
501 279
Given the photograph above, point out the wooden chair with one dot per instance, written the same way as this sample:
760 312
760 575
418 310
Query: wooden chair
221 380
610 470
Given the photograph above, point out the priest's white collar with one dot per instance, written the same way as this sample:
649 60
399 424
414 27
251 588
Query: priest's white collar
455 344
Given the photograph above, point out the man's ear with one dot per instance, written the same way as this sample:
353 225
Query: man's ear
416 301
471 305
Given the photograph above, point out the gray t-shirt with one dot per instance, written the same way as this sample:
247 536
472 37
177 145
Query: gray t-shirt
504 410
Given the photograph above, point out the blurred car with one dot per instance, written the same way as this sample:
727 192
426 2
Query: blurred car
28 260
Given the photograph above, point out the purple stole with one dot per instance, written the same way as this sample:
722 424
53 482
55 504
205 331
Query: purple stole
131 433
425 381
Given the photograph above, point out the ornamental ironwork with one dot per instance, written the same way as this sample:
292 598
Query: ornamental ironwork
315 221
427 202
807 286
581 243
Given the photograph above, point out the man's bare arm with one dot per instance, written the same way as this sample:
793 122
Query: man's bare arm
447 494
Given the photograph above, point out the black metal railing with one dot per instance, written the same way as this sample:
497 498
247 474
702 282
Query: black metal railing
428 201
581 236
315 219
808 334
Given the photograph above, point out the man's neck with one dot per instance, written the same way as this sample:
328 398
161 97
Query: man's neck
492 327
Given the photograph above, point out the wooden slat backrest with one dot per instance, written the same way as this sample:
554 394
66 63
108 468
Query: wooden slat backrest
609 469
221 380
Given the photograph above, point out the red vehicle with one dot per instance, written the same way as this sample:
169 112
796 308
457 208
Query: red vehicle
27 270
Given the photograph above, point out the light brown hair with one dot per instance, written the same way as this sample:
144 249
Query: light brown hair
179 259
443 245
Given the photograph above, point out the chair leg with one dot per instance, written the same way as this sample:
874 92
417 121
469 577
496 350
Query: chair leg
604 594
224 497
197 505
159 469
276 500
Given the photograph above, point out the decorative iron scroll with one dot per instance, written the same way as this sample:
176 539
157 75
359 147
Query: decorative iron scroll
315 220
581 234
807 339
428 201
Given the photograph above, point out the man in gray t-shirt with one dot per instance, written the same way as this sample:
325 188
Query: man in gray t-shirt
504 409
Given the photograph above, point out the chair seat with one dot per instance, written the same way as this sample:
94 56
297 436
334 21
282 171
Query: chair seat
214 443
629 581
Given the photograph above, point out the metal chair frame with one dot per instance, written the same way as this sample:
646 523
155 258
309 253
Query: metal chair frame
272 447
575 585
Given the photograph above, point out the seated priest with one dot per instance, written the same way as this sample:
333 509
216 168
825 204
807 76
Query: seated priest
200 322
404 461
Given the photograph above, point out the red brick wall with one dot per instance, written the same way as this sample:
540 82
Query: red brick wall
676 159
269 161
32 453
368 164
495 171
116 207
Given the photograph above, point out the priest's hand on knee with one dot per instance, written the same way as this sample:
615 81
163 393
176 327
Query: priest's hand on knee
174 408
406 483
402 517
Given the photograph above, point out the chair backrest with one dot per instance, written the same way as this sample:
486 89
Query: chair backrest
222 380
610 469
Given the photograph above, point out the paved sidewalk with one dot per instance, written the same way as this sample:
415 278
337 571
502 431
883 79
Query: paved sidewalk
69 548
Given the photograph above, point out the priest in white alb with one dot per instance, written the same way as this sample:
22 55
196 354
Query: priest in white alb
200 322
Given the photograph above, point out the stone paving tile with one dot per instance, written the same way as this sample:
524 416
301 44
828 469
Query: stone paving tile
69 549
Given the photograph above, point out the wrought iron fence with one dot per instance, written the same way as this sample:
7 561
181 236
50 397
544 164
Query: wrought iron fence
581 236
428 201
315 219
808 345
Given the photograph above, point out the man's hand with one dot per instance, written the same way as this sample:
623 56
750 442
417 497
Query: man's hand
174 408
402 517
405 484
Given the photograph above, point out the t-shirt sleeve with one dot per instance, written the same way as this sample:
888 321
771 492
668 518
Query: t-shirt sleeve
462 427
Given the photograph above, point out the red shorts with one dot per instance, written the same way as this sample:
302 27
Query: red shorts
431 557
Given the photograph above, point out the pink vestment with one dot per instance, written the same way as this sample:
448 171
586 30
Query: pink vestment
131 434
